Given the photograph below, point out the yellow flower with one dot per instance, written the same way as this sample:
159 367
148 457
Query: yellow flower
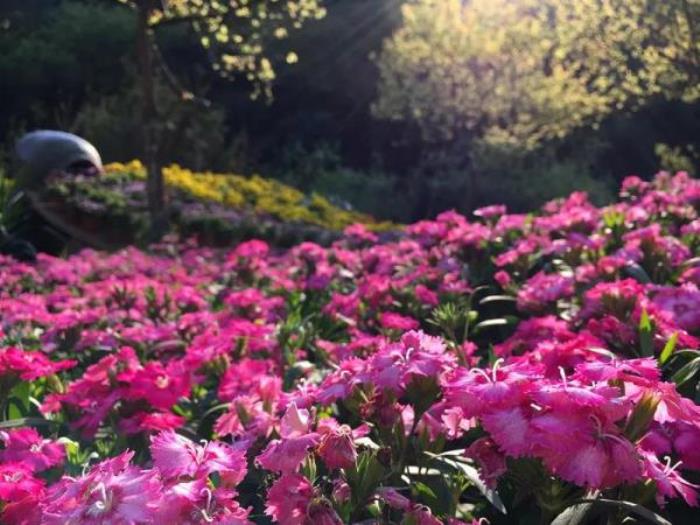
266 196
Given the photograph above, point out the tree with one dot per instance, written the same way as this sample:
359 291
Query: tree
236 35
524 72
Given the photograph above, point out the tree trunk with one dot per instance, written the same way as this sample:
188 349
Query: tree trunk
155 188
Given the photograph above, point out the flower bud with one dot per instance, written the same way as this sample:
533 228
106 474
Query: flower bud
337 449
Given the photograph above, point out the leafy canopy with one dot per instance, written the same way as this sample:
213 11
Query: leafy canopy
525 71
239 35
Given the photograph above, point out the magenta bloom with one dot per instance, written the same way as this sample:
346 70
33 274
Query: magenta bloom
337 447
29 366
669 484
113 492
195 502
491 461
417 355
683 304
288 500
393 498
17 481
160 385
285 455
543 290
176 456
394 321
25 445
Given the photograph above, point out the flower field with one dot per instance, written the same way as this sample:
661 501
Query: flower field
498 369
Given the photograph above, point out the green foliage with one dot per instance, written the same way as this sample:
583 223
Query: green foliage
73 50
527 72
677 158
13 207
321 170
191 135
237 34
526 182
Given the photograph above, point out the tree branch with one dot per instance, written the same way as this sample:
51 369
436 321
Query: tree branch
174 84
175 20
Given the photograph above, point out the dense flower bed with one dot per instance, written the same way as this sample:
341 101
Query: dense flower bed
217 209
509 369
258 194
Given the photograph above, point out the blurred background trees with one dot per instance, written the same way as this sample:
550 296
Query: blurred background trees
237 37
441 103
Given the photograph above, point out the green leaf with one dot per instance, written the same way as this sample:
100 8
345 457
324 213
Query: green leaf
424 490
498 299
25 422
687 372
579 512
473 476
364 478
575 515
497 322
669 347
646 335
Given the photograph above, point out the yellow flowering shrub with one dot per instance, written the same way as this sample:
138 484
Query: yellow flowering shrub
266 196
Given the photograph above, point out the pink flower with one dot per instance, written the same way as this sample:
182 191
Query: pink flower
176 456
491 461
510 429
359 232
394 321
604 462
421 515
29 366
393 498
25 445
196 502
150 422
426 295
542 290
17 481
295 422
669 484
337 447
162 386
686 444
26 511
112 492
242 377
288 500
415 356
252 249
503 278
489 212
683 303
286 455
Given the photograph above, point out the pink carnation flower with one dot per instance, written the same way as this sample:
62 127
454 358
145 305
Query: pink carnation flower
669 484
176 456
113 492
394 321
288 500
196 502
683 303
285 455
25 445
337 446
29 366
17 481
